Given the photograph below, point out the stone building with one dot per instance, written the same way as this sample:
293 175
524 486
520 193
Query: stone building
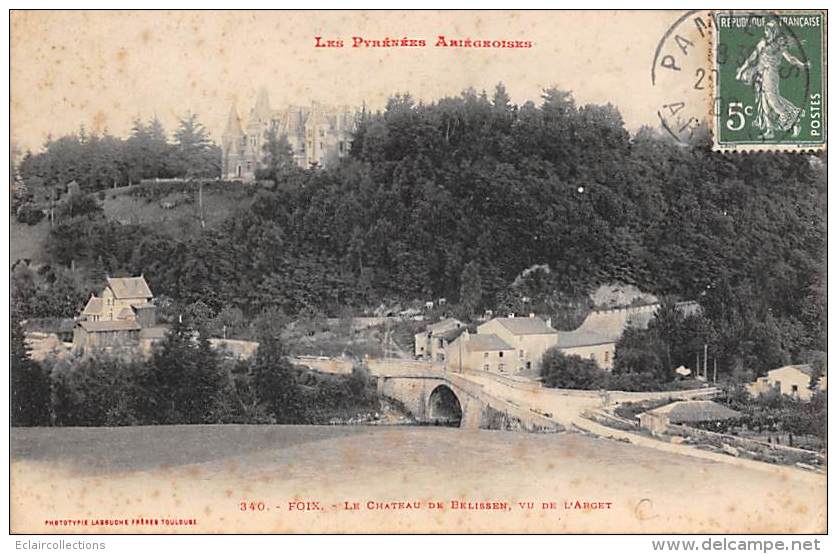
792 380
123 316
480 351
431 343
318 135
529 338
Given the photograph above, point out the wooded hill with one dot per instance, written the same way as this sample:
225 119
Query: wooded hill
457 197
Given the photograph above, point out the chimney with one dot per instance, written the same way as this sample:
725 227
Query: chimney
531 314
549 322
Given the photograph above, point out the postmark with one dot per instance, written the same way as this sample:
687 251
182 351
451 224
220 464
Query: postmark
682 73
769 83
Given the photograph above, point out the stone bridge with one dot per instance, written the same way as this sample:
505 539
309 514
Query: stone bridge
481 400
433 395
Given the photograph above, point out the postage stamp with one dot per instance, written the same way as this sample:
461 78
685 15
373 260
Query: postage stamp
769 73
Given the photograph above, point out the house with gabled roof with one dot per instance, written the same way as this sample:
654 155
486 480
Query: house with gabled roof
118 316
480 351
434 339
529 338
793 380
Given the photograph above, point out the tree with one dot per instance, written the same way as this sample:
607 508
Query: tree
278 158
273 379
470 289
185 381
568 371
194 155
30 387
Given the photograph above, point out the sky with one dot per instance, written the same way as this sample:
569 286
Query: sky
104 69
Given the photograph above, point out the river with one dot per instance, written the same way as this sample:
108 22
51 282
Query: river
399 478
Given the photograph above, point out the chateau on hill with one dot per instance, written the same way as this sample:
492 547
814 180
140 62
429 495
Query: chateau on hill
318 135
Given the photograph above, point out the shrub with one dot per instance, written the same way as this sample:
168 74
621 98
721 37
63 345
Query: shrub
571 372
29 214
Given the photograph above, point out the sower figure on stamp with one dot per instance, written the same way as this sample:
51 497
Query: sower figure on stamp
761 70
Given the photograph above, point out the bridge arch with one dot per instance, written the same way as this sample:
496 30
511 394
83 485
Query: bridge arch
444 407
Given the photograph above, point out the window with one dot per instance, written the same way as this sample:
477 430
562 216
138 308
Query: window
522 354
502 367
794 389
607 356
500 354
485 355
486 367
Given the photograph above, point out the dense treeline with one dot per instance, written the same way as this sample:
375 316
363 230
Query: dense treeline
184 381
98 162
458 197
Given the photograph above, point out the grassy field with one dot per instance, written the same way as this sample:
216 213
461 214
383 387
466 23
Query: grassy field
205 472
176 213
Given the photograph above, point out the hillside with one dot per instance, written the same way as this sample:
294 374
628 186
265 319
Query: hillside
172 209
175 209
26 242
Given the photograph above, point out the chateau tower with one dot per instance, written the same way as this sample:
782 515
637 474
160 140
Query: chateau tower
233 143
319 135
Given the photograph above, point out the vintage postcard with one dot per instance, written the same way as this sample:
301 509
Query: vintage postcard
418 272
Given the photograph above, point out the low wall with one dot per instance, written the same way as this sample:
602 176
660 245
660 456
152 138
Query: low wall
242 349
622 396
520 383
341 366
399 367
764 451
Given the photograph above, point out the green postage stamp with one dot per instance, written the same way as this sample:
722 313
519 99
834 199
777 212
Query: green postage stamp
770 80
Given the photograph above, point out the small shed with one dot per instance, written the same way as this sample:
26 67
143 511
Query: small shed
685 412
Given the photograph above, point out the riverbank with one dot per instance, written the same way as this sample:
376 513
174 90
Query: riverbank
206 472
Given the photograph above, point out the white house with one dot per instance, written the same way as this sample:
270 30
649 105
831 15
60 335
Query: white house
793 380
529 336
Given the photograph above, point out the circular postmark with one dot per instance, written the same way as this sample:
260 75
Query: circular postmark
747 76
682 73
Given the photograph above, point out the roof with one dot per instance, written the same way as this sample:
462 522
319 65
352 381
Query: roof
525 325
93 307
694 411
129 287
485 342
607 326
146 306
582 337
450 334
807 369
233 123
104 326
